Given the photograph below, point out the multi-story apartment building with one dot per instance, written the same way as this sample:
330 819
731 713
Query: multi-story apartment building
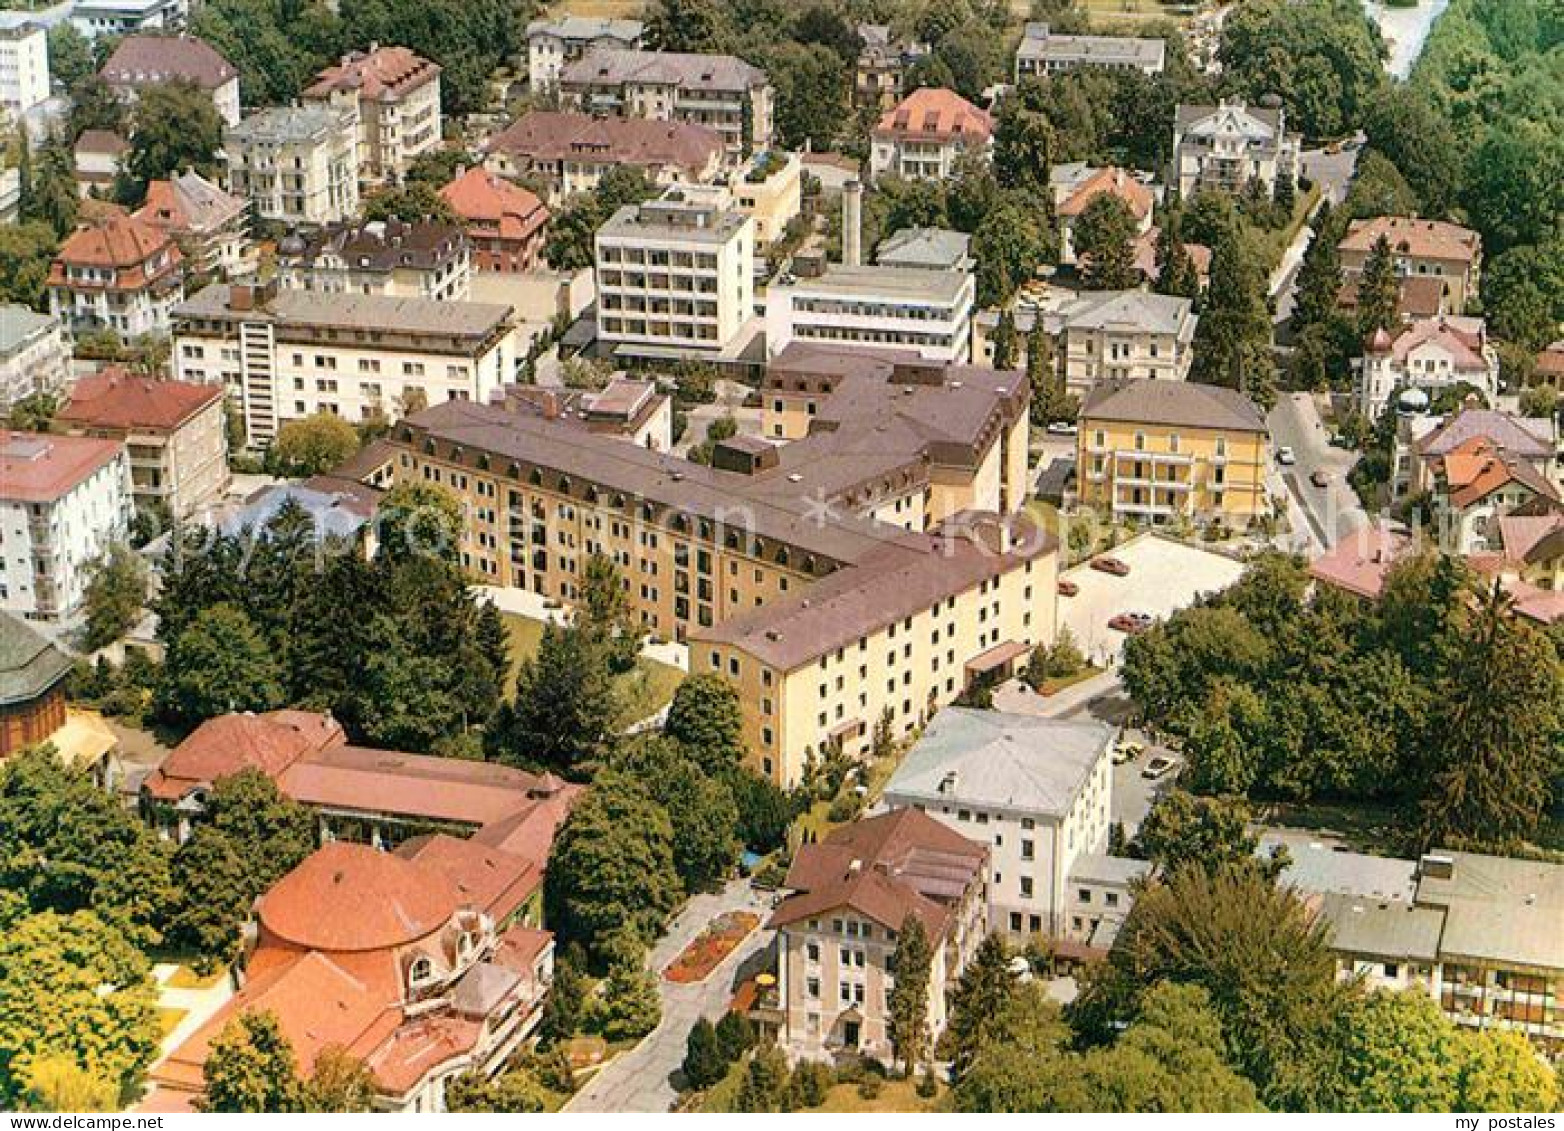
1036 791
284 355
551 44
828 579
505 223
721 92
424 259
394 95
570 152
116 273
24 63
882 65
140 61
33 356
174 433
1427 249
298 165
1153 451
1431 354
1043 52
852 894
1225 147
675 273
64 500
925 134
94 18
1112 335
920 313
769 189
210 227
1424 445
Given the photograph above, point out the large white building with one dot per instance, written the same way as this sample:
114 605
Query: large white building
285 355
1226 146
394 94
24 63
123 17
33 357
296 164
675 274
551 44
1044 53
927 314
1037 791
1431 354
64 500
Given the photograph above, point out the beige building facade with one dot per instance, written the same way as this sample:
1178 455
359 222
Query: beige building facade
298 165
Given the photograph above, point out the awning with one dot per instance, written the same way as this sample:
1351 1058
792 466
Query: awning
996 657
842 730
84 740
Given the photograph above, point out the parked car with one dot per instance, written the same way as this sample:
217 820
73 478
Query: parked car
1127 752
1068 588
1132 623
1159 767
1319 478
1063 428
1286 457
1106 564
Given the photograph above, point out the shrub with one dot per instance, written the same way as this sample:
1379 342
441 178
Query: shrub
811 1082
735 1036
869 1087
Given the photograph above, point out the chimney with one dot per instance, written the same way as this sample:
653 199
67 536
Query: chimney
550 405
1437 866
852 224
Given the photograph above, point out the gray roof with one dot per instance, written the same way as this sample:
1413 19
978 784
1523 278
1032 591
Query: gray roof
1095 867
353 311
336 513
1523 436
923 247
19 325
1129 311
1382 928
1319 869
282 124
585 28
29 664
1131 400
1498 908
1257 123
1017 762
606 66
1091 50
480 991
672 216
912 283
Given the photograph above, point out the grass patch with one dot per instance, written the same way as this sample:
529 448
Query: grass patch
642 691
1055 684
185 978
895 1095
1045 514
168 1020
1271 244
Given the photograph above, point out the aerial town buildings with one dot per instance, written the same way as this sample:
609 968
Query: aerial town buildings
33 355
1044 53
925 134
881 69
24 63
210 227
1226 146
1445 254
551 44
505 223
297 164
142 61
116 273
394 96
420 259
1431 355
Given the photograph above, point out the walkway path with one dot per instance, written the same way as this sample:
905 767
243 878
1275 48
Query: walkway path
641 1080
198 1004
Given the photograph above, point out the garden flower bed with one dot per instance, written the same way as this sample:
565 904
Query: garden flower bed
711 946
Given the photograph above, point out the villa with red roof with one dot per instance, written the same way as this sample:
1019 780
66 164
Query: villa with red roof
852 893
1076 185
922 137
1422 249
504 222
571 152
395 95
1432 355
116 273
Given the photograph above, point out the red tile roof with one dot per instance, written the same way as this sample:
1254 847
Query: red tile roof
123 244
493 207
142 60
1360 561
496 881
223 746
1422 239
112 398
1110 179
351 897
548 135
383 74
936 114
188 203
36 468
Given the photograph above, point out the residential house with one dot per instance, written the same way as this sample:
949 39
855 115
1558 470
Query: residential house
1044 53
1146 262
1550 366
1226 146
142 61
1433 249
626 409
393 94
505 223
116 273
285 354
24 64
570 152
1432 355
1423 442
1156 451
852 894
551 44
1479 483
1076 185
210 227
721 92
1036 791
296 164
924 135
64 500
98 155
174 433
1418 297
883 60
427 259
33 355
1125 334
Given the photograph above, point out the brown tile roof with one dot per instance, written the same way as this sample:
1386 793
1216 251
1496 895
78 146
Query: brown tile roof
1532 539
377 245
887 867
223 746
1464 339
143 60
384 74
37 468
120 242
1417 296
550 135
1360 561
496 881
1110 179
606 66
112 398
937 114
100 141
1145 247
1512 434
1498 471
188 203
1422 239
493 207
1550 362
351 897
1172 403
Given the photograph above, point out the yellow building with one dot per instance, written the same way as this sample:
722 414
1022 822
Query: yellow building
770 189
1150 451
891 541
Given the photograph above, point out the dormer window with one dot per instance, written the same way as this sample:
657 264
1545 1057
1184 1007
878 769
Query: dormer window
420 972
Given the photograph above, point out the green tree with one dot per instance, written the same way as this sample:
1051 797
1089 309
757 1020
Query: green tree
414 201
981 994
1406 127
764 1087
1023 148
908 1004
1400 1054
1104 237
1006 342
703 1062
570 237
1379 290
626 1006
221 663
706 719
70 61
1233 337
1176 270
1523 293
810 84
606 615
1183 831
116 590
26 250
175 127
55 1082
1379 189
50 195
514 1092
683 25
312 445
340 1082
699 807
1009 245
566 998
1319 276
251 1068
1501 1072
735 1035
1514 185
565 705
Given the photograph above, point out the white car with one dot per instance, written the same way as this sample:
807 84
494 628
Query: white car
1285 457
1062 428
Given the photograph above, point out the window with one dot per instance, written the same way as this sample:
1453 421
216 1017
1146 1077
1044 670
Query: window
1028 850
813 987
1026 887
1015 921
1085 895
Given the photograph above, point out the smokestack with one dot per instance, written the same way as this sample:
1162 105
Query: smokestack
852 224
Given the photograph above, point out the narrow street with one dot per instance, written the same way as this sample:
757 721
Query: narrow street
1332 511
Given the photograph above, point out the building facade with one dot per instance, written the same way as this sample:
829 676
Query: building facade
770 190
394 95
297 165
505 223
33 355
1420 249
94 18
64 500
552 44
925 134
1432 355
284 355
1156 451
1076 185
881 69
119 274
1225 147
422 259
1044 53
923 314
210 227
141 61
24 64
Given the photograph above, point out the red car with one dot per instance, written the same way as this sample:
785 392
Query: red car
1068 588
1111 565
1131 624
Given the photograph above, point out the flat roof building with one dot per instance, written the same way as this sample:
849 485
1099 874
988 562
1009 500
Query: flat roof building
1044 52
924 314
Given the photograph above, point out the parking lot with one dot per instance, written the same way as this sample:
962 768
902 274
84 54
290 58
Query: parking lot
1164 576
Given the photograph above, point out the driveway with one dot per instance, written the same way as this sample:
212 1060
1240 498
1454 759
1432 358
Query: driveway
1333 512
642 1080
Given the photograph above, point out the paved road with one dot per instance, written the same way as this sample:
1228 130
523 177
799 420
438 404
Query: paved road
1333 173
1333 511
642 1080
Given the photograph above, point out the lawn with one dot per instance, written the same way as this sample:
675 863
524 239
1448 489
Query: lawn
1271 244
642 691
1055 684
895 1096
187 979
